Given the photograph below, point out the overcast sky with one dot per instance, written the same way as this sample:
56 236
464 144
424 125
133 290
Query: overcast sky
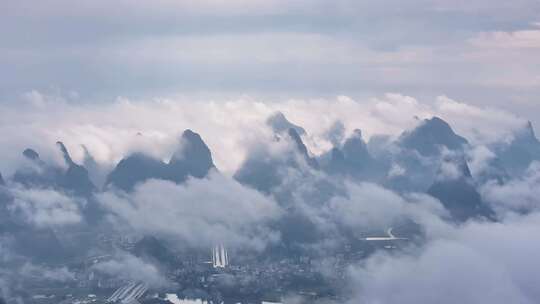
483 52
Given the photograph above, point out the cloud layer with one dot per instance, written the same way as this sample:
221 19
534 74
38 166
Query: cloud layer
476 263
112 130
199 214
274 48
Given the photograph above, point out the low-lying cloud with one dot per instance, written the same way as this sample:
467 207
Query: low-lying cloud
44 207
517 195
36 272
131 268
476 263
202 212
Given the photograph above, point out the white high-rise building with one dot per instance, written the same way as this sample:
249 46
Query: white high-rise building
220 258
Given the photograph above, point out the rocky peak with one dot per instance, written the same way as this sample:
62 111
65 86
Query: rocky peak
279 124
301 148
527 135
31 154
192 158
65 153
430 136
355 147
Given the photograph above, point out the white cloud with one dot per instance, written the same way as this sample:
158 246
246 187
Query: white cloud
449 170
476 263
342 47
479 124
517 195
396 170
370 206
44 207
128 267
202 213
60 274
479 159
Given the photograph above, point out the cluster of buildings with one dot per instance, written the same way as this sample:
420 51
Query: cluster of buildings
213 276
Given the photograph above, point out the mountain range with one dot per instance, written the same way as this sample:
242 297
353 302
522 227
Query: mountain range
431 158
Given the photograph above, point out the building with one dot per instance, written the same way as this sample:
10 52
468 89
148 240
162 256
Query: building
220 258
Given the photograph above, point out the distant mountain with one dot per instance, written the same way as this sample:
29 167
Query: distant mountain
516 156
279 124
352 158
2 182
301 148
335 133
31 154
74 179
264 171
430 136
410 172
193 158
334 162
262 174
96 171
355 149
134 169
36 173
416 154
455 189
285 130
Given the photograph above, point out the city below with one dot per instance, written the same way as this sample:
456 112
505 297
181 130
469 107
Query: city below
208 277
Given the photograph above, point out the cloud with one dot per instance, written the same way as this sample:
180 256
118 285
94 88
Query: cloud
60 274
475 263
370 206
44 207
336 133
17 272
479 159
128 267
479 124
396 170
510 40
517 195
305 48
336 208
201 213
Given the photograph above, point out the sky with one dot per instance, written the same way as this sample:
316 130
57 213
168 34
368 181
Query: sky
479 51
